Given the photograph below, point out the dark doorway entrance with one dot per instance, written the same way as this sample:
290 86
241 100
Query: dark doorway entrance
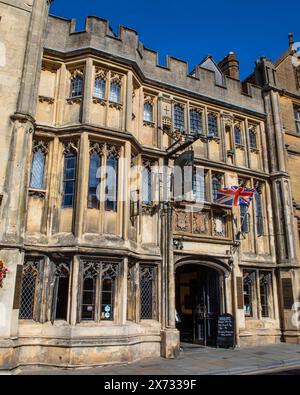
197 304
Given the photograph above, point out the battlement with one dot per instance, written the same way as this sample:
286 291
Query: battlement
126 46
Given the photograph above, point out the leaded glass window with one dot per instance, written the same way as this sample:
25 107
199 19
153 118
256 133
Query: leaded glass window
99 88
259 212
196 124
115 92
297 118
76 86
248 285
238 135
252 138
199 184
111 189
99 282
265 281
60 295
245 223
69 180
38 169
217 181
148 292
147 183
178 117
212 121
94 180
148 112
29 286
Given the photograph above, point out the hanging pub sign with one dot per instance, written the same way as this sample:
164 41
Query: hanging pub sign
225 331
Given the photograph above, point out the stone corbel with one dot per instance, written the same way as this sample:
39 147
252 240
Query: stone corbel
228 119
115 105
98 100
49 100
149 123
37 193
72 100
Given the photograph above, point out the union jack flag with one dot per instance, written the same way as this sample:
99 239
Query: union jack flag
235 196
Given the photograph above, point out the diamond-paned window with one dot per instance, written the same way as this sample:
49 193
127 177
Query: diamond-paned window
28 290
147 278
37 170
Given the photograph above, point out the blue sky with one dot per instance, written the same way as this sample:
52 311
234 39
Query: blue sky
191 30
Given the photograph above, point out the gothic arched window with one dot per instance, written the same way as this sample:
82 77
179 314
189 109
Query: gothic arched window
196 122
29 290
178 117
69 178
76 86
111 189
148 112
217 180
212 121
115 92
94 179
99 88
38 168
252 138
238 135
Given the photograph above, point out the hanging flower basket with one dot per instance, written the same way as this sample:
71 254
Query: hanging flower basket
3 271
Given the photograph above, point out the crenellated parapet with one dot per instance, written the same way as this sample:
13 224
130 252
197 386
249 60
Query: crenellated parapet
63 38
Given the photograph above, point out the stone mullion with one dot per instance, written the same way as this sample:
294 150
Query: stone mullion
223 139
102 189
247 143
107 95
88 91
81 184
129 107
75 292
262 145
48 169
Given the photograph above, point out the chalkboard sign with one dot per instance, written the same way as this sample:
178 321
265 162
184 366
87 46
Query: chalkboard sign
225 331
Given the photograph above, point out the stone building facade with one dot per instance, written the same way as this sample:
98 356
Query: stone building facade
100 267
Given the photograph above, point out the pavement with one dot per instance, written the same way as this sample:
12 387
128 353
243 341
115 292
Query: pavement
196 360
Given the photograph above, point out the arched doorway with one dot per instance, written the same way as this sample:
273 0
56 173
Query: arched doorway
198 303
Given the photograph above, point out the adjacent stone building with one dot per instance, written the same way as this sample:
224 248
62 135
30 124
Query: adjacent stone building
103 268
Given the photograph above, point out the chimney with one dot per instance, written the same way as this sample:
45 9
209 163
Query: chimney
291 39
230 66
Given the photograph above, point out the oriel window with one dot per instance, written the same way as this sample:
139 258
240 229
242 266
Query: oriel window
76 86
212 121
179 117
99 88
196 124
115 92
69 180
